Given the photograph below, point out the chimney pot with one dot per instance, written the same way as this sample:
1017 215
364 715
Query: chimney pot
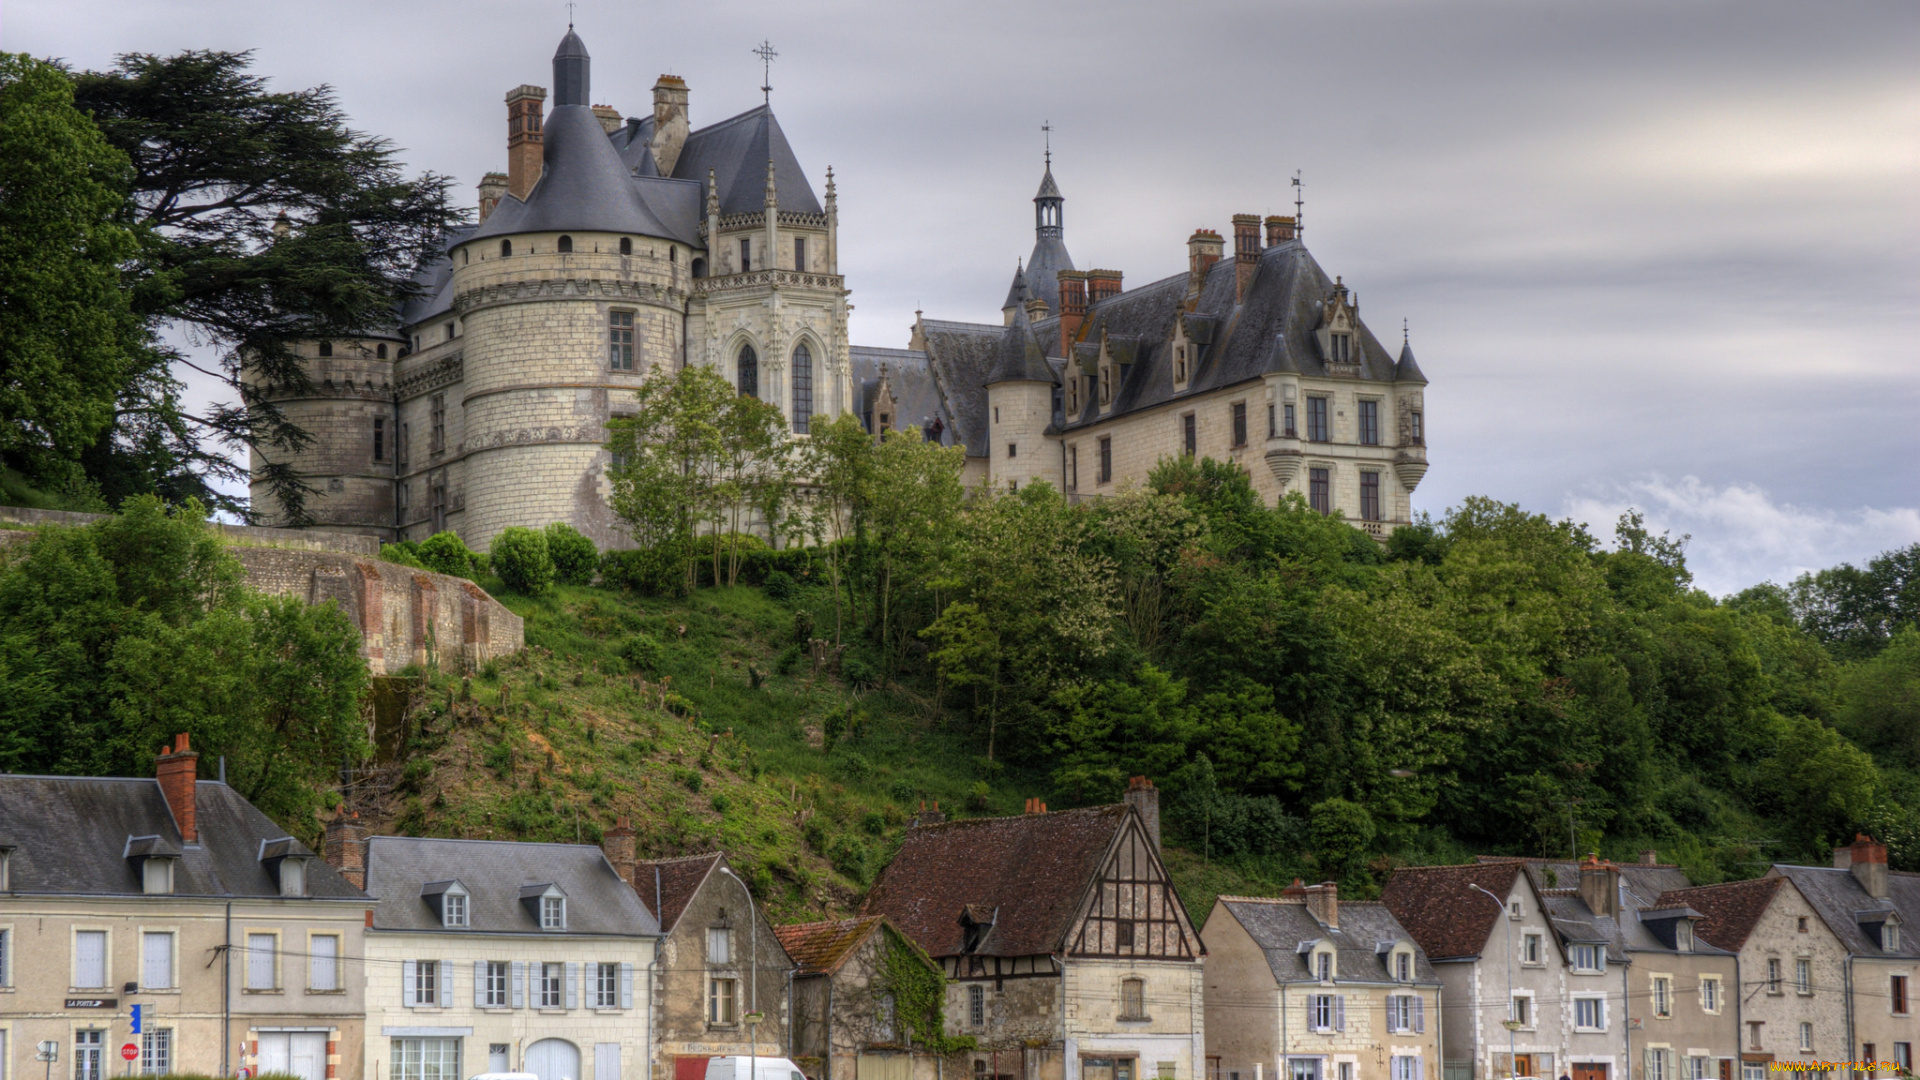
617 844
1600 885
1650 857
1246 252
493 188
669 122
1146 802
177 770
1073 307
609 117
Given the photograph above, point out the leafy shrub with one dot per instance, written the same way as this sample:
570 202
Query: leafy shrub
446 553
849 857
688 779
904 791
574 557
653 571
499 758
721 803
802 626
855 768
521 559
860 668
402 554
874 822
779 586
644 653
789 659
980 797
815 834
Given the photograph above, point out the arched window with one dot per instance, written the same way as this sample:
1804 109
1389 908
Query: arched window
626 245
699 268
380 350
749 372
466 256
326 348
566 245
673 254
802 387
506 248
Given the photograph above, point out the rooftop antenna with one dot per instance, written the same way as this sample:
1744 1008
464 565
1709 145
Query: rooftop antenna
766 54
1299 214
1046 131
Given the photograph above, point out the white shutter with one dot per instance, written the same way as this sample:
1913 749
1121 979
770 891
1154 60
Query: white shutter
606 1061
1340 1012
1420 1068
479 983
158 955
1419 1018
90 959
626 986
446 998
409 979
571 985
517 984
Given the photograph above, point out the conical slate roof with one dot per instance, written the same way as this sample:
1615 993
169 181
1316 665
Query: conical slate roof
1043 268
1017 295
571 71
1048 189
1406 370
1019 357
585 186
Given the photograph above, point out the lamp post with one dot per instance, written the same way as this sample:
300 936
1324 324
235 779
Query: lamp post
753 976
1512 1022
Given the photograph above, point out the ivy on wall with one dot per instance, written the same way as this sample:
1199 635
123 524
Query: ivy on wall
919 990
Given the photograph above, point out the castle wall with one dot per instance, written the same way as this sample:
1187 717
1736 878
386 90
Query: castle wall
352 392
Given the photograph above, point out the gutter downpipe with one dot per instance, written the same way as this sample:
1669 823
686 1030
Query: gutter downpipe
653 966
1739 1019
1851 1044
1626 1008
226 994
1280 1067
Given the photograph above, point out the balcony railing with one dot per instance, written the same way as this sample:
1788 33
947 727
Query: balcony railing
762 278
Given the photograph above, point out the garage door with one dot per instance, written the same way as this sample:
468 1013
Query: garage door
553 1059
883 1067
297 1053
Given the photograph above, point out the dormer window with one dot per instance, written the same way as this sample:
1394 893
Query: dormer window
156 876
1589 958
286 859
1323 966
553 913
1403 966
154 857
6 879
1683 935
453 909
1341 348
293 877
1180 364
1890 937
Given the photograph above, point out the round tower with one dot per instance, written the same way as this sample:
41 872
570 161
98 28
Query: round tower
1020 394
348 409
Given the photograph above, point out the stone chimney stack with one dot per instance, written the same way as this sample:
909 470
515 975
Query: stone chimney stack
928 817
1204 248
617 844
1073 307
669 122
1600 885
493 188
178 770
526 138
1279 230
1142 796
609 117
1650 857
1102 284
1246 253
345 847
1868 862
1323 902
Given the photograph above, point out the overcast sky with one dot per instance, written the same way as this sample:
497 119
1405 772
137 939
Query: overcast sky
1655 254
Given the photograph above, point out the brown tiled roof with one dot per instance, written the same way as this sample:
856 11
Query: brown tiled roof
678 879
1031 870
1732 910
1440 908
820 947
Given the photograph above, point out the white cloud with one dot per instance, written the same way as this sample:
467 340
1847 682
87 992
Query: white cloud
1741 534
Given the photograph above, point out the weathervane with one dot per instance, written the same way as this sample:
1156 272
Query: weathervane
1046 131
1299 214
569 14
766 54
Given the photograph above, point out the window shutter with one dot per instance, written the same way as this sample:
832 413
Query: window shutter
409 970
445 989
479 983
626 986
1419 1018
572 985
517 983
1420 1068
1340 1012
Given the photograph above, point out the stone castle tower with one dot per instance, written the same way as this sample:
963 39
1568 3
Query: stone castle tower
610 248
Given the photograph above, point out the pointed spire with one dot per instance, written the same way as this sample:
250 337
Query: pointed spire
572 70
830 193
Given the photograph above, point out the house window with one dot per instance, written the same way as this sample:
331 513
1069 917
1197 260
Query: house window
437 498
719 945
156 1052
1073 467
749 372
976 1006
1290 431
1013 450
1903 1056
1589 958
566 245
379 438
1683 936
1239 423
1662 996
1657 1065
802 388
426 982
1133 999
90 959
1889 937
88 1054
1400 1012
380 350
1342 347
1897 992
326 348
1370 496
1521 1009
606 986
1123 934
453 909
1773 975
1406 1067
1317 420
1106 459
1803 976
1530 949
425 1059
1417 429
498 972
620 340
1320 490
1189 434
800 254
449 329
1370 423
437 424
626 246
1802 920
553 979
1710 993
1180 363
723 1001
1806 1037
553 913
1699 1068
1590 1014
1271 430
746 254
1753 1034
1106 383
156 961
1326 1012
1403 966
260 966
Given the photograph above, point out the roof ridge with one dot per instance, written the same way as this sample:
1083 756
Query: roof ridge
1102 807
764 107
684 858
463 840
1723 885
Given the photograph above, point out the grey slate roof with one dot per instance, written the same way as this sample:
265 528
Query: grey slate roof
1405 370
495 873
1280 927
586 187
73 835
737 150
1641 889
1048 258
1019 357
962 356
1841 903
1017 293
435 281
910 376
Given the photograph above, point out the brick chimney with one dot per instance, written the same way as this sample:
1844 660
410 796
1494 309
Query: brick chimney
1868 862
1279 230
617 844
1144 799
345 847
1073 307
526 106
669 122
1246 253
1295 891
1323 902
1102 284
1204 248
1650 857
493 188
177 769
1600 885
609 117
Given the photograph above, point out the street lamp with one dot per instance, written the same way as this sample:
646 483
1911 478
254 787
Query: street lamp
1512 1022
753 976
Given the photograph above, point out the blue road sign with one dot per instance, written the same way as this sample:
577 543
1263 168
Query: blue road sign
136 1019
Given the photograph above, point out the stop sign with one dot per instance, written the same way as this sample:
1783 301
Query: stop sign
129 1051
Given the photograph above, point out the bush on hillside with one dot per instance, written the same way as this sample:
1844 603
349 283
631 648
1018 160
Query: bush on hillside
574 557
779 586
647 571
521 559
403 554
446 553
644 653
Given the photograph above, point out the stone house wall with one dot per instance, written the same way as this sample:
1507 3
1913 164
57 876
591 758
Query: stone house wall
681 982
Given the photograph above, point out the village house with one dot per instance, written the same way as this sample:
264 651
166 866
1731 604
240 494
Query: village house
722 977
1494 950
493 956
176 897
1307 987
1067 954
847 1023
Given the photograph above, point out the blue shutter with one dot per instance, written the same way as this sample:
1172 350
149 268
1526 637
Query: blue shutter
572 985
626 986
1419 1020
409 971
446 999
1340 1013
479 983
517 983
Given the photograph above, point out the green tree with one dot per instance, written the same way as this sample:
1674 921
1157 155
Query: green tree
575 559
1880 702
665 474
520 556
836 462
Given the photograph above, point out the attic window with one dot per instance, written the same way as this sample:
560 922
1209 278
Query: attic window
156 876
1323 966
1403 966
453 909
566 245
1683 935
553 913
326 348
1889 937
1340 346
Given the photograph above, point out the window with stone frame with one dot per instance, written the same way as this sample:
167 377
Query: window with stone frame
1320 490
1291 430
1369 422
1370 496
1663 996
748 372
800 254
1189 434
379 438
437 424
802 404
1106 459
1803 976
1239 424
620 340
723 1001
976 1006
1133 999
1318 430
746 254
437 500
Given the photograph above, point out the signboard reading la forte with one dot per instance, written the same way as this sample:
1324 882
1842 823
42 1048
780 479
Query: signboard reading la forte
93 1003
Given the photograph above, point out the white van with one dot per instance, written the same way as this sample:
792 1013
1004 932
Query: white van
762 1068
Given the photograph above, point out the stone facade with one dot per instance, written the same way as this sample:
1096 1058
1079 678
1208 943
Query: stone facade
846 1022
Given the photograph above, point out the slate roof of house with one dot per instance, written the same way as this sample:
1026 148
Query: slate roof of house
73 836
918 401
1028 872
1019 357
678 879
819 948
1731 909
1404 369
1283 928
1442 911
962 356
496 874
1841 902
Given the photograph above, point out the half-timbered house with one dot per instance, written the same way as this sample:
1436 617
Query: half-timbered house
1068 955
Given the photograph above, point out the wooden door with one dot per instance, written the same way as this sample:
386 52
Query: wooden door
1586 1071
1523 1064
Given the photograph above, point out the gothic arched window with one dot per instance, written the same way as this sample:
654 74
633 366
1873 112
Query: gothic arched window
566 245
749 372
506 248
626 245
802 387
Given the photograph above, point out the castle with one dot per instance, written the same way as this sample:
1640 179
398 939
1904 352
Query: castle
614 245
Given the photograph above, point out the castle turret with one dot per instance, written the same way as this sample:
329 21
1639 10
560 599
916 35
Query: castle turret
1020 393
1049 255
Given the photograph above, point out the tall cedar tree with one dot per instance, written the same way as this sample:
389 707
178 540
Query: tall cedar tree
217 158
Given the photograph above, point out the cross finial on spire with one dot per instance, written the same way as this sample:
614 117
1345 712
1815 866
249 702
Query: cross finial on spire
1299 202
766 53
1046 131
569 14
1406 336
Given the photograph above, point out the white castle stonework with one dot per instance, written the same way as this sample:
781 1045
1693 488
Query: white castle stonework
614 246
